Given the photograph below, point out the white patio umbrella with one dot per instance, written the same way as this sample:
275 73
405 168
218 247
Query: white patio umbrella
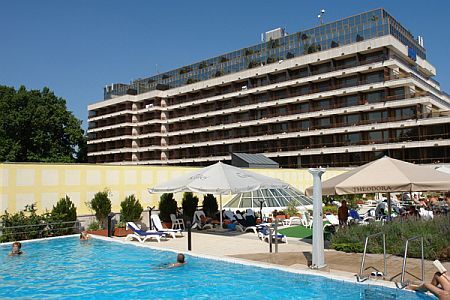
386 175
443 169
219 179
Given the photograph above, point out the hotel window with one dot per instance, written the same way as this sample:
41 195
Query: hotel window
352 138
349 81
377 116
374 77
378 136
375 97
405 113
353 119
324 122
352 100
405 134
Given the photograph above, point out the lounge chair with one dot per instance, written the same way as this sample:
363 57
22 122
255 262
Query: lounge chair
292 221
264 233
177 223
142 235
334 221
228 214
357 219
158 225
306 220
197 221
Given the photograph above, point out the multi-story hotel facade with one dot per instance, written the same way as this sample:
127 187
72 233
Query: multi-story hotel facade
340 94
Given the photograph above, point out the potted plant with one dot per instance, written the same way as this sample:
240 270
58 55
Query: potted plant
130 211
189 204
101 205
167 206
210 206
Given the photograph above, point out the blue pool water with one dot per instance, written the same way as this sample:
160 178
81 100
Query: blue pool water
95 269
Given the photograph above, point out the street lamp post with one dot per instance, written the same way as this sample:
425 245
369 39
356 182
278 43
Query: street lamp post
320 16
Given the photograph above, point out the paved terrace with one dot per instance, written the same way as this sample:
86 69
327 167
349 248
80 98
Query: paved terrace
296 254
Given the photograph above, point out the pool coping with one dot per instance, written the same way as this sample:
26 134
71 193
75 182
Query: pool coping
299 270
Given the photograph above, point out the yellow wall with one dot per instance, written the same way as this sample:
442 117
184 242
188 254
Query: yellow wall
44 184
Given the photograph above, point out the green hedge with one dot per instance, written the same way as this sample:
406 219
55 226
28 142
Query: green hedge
436 233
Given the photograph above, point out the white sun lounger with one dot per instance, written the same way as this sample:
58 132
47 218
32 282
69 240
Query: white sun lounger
197 221
158 225
142 235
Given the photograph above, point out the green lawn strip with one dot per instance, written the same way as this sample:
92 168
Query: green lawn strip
300 231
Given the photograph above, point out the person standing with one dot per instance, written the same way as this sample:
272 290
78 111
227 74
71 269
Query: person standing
343 214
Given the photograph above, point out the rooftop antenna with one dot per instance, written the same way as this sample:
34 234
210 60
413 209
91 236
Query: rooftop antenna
320 16
157 72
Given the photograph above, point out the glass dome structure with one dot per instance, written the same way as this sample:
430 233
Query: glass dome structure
271 198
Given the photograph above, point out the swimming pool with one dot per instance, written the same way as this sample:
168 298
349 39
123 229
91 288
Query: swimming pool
69 269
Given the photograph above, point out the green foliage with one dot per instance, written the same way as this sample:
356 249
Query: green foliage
94 225
130 209
101 204
27 224
436 233
189 204
167 206
210 206
65 211
291 209
36 126
330 209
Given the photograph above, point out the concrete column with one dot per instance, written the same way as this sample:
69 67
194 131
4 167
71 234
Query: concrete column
318 253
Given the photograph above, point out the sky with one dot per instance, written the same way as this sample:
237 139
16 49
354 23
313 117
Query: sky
77 47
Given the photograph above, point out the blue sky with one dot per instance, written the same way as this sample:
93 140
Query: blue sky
77 47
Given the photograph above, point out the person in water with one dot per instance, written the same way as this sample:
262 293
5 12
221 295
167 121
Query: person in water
16 246
180 261
84 236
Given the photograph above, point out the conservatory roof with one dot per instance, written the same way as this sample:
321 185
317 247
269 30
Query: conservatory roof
270 198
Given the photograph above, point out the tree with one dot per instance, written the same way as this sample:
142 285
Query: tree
101 205
130 209
36 126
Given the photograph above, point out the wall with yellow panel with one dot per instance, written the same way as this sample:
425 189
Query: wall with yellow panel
43 184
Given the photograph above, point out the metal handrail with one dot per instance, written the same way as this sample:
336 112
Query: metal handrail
360 277
402 278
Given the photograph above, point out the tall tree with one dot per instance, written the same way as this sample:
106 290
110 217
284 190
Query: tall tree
36 126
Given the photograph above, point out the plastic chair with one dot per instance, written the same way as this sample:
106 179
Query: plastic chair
176 223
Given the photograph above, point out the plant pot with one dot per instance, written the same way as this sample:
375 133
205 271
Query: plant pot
101 232
167 225
121 232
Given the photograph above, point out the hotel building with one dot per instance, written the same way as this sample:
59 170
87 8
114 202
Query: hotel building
340 94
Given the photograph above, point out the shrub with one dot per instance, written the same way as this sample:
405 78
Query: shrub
189 204
101 204
130 209
210 206
291 209
330 209
64 211
32 225
94 225
167 206
436 233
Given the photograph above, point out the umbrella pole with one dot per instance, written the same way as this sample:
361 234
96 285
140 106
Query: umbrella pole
220 213
389 203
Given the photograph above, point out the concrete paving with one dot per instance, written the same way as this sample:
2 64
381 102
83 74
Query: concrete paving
295 254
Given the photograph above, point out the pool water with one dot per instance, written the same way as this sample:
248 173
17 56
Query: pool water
70 269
